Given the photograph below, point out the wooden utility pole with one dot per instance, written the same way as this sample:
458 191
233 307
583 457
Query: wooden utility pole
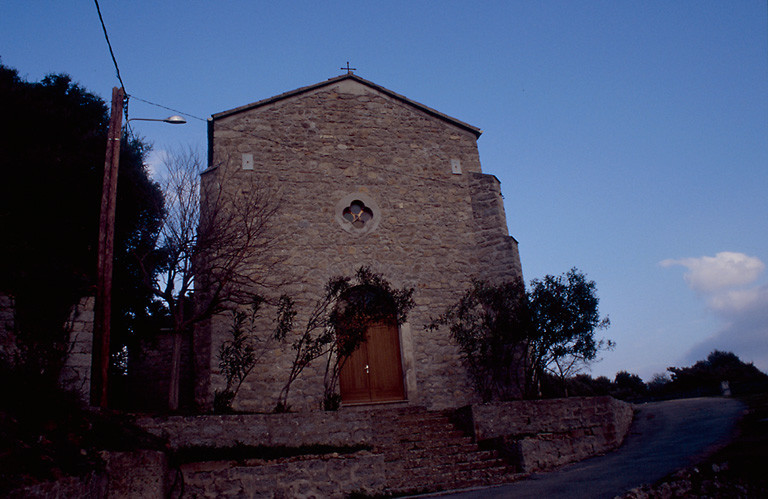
103 313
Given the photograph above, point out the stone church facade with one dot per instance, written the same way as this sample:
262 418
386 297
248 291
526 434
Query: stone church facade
364 177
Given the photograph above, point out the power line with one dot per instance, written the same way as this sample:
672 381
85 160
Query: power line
167 108
111 52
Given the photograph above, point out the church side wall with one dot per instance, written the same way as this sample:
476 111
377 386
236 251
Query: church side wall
346 142
495 248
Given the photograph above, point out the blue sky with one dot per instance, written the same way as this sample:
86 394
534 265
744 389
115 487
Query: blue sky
630 137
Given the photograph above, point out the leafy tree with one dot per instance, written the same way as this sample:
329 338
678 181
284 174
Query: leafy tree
583 385
337 325
489 325
512 340
629 387
563 314
52 160
659 385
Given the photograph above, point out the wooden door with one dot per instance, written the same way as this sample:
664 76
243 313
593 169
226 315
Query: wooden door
374 372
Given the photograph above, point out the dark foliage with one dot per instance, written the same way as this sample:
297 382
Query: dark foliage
629 387
52 160
706 376
514 341
40 443
489 325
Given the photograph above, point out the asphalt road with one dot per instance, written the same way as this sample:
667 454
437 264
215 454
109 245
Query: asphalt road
664 437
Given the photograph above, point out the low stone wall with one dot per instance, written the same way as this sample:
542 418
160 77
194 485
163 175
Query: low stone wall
543 434
91 485
536 434
328 476
126 475
289 430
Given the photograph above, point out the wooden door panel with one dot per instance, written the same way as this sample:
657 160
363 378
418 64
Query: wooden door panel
386 372
374 372
353 378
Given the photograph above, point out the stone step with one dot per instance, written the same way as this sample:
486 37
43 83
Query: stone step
440 443
447 434
428 453
438 448
461 449
459 461
431 468
428 429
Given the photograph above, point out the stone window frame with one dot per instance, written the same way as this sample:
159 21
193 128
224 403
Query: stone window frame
369 202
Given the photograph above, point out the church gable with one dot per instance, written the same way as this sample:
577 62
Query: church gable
351 124
350 84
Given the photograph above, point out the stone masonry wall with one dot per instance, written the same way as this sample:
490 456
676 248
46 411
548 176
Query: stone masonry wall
290 430
543 434
494 245
76 372
349 141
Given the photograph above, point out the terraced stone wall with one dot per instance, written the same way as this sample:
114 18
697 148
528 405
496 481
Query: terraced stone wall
543 434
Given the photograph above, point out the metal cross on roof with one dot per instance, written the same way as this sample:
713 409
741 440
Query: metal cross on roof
349 70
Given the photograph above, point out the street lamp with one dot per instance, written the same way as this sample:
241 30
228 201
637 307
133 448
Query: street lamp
106 249
174 120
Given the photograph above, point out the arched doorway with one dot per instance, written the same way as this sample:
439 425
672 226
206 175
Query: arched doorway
374 371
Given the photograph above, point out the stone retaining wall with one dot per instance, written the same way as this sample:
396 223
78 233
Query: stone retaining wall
327 476
538 434
543 434
289 430
126 475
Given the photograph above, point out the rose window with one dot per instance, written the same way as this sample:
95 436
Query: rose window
357 214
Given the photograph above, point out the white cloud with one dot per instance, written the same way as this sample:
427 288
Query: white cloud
740 301
724 282
155 163
725 270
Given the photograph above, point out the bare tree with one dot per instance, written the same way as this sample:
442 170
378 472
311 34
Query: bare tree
214 249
